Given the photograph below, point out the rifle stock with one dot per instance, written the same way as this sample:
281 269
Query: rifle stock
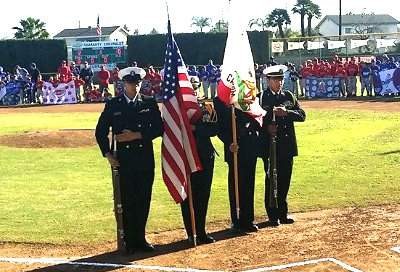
118 209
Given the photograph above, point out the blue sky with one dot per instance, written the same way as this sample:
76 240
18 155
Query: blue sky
144 15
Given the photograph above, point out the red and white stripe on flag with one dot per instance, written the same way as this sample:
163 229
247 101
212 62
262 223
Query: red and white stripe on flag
178 150
98 29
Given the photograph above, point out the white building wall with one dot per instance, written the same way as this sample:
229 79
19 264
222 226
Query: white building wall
329 28
119 36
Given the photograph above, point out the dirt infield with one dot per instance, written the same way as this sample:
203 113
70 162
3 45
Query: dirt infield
50 139
373 104
359 237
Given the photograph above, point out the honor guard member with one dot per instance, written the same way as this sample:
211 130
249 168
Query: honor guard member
201 181
135 120
287 110
248 145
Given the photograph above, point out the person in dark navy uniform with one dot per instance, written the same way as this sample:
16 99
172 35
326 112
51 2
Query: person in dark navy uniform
201 181
248 138
287 111
135 120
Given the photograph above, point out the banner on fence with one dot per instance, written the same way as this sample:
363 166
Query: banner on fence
336 44
295 45
315 45
388 82
277 47
385 43
63 93
358 43
322 87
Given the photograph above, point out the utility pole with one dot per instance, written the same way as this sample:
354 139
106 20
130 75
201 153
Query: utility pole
340 19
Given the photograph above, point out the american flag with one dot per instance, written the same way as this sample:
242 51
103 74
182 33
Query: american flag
178 151
98 29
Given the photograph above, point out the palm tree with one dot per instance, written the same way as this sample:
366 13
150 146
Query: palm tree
277 18
153 31
290 33
259 22
31 29
220 26
201 22
301 8
313 11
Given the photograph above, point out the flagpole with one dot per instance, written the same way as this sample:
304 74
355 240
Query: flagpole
235 163
189 183
191 208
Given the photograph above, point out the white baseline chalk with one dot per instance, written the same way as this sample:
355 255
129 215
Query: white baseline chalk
396 249
290 265
55 261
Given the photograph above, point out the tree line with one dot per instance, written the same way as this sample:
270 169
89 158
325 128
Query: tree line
31 28
307 10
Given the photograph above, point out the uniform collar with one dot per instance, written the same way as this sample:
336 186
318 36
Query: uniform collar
276 93
136 98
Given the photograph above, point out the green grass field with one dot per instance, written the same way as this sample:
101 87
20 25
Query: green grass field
347 158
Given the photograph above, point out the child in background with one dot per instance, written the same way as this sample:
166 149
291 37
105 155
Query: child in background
86 93
78 83
39 91
55 80
94 94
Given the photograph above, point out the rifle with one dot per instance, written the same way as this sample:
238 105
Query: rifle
117 198
273 175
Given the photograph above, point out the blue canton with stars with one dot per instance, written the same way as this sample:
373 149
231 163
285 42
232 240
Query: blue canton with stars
173 59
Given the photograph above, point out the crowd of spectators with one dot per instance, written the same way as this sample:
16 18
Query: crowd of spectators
83 76
350 71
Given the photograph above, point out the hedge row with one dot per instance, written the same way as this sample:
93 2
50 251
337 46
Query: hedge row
47 54
196 48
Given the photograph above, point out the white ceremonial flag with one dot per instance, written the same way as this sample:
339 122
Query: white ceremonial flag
385 43
277 47
336 44
295 45
357 43
315 45
238 82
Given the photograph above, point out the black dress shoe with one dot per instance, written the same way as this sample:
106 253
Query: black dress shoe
235 229
129 251
286 221
205 239
272 223
250 228
145 247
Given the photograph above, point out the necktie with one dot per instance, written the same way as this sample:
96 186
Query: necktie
131 104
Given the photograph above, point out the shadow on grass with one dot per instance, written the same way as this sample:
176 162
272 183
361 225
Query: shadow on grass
114 260
389 152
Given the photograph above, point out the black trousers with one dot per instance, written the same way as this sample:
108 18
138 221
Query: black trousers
136 189
246 180
201 187
284 172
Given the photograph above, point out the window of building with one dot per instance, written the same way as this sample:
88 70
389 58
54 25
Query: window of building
347 30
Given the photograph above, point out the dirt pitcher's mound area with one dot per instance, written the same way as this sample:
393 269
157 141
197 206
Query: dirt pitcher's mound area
359 237
49 139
